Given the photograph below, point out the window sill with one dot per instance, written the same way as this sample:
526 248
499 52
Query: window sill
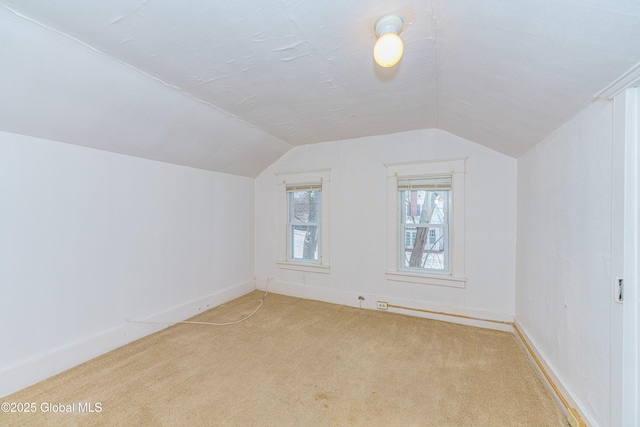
425 279
312 268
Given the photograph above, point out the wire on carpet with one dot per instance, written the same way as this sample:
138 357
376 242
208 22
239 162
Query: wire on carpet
208 323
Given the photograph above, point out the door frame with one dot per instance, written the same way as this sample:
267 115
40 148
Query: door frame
625 393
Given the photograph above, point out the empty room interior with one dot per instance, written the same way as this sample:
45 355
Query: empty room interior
260 213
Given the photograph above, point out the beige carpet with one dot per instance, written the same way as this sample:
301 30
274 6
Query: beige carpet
302 363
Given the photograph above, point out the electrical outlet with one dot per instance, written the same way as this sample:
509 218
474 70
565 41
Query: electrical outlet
382 305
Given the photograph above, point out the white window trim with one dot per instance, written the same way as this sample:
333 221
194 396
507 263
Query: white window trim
457 169
300 178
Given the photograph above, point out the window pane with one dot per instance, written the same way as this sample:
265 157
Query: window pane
304 225
424 228
427 249
304 206
304 242
424 206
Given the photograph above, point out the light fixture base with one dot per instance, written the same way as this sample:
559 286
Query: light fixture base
391 23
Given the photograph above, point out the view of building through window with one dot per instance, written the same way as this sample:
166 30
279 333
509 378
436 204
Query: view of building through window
424 224
304 224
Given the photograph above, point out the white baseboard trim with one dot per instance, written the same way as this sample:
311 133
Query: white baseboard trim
555 385
478 318
50 363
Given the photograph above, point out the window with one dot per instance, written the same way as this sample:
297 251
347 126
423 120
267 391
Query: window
425 216
426 222
303 223
304 213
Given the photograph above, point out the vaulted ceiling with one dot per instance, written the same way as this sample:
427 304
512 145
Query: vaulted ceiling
232 85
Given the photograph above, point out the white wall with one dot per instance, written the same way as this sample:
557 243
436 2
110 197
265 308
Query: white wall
563 285
89 239
359 225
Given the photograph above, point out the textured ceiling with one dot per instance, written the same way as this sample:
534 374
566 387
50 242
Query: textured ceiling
231 86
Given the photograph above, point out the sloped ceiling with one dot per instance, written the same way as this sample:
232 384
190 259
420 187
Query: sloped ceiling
232 85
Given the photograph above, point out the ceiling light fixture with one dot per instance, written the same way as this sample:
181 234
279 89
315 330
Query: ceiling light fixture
389 47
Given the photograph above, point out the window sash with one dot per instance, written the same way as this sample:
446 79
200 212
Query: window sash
314 224
409 229
404 252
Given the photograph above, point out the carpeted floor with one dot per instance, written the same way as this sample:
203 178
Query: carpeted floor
301 363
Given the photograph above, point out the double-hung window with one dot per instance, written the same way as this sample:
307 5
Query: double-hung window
304 221
425 214
426 222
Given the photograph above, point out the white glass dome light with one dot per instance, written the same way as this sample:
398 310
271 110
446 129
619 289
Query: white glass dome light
389 47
